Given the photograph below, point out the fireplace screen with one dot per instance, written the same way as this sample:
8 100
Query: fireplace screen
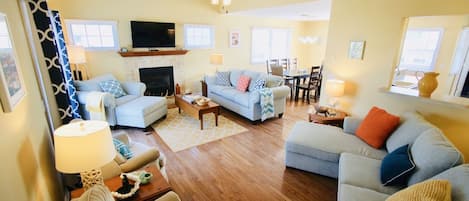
159 80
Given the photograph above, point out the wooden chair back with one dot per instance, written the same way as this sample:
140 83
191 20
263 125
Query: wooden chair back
277 70
315 77
271 62
292 63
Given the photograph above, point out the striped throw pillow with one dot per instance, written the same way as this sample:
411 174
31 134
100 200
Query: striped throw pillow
122 148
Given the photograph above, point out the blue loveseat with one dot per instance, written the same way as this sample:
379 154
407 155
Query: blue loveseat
247 104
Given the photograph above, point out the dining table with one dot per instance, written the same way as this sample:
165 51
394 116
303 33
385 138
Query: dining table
296 75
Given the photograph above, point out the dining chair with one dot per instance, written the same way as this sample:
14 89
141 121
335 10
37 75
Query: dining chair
269 63
284 63
293 63
314 83
278 71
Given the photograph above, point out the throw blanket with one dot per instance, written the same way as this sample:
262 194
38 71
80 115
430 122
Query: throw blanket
267 103
95 106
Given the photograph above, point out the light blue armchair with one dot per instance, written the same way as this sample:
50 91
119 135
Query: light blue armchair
133 109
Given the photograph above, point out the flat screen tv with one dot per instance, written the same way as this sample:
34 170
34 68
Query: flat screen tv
152 34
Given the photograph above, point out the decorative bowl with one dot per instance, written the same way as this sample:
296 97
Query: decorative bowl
202 101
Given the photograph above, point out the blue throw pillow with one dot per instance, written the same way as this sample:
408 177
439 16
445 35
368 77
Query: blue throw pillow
223 78
122 148
397 167
258 84
113 87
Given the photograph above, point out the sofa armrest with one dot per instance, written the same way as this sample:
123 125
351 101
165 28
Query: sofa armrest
109 100
280 92
351 124
169 196
134 88
140 160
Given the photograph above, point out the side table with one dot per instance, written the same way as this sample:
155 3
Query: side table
333 120
151 191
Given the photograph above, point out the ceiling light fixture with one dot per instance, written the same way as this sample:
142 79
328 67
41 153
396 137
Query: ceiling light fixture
225 2
222 4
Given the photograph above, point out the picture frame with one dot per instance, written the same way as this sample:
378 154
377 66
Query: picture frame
356 49
12 88
235 37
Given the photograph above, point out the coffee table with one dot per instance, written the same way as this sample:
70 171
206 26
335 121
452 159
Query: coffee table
197 111
151 191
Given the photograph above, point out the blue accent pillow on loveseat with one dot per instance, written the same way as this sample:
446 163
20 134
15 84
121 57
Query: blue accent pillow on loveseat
397 167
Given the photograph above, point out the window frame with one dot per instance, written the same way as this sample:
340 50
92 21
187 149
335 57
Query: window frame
200 47
436 51
70 22
270 30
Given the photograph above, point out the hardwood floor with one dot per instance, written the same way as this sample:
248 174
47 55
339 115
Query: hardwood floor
248 166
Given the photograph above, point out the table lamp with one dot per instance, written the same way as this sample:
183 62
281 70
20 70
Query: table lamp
84 147
334 89
77 57
216 59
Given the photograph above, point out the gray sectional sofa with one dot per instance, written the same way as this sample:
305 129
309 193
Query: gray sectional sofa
247 104
338 153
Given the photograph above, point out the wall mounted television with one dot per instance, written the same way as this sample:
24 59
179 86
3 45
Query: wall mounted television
152 34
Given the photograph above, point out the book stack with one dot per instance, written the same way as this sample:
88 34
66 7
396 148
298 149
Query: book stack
191 98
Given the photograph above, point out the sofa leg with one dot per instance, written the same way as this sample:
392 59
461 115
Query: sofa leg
148 129
280 115
257 122
114 127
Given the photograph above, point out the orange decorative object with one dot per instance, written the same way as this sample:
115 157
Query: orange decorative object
428 84
376 127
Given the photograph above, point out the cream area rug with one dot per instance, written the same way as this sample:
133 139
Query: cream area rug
181 131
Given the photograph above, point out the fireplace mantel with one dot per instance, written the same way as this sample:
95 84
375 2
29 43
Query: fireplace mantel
153 53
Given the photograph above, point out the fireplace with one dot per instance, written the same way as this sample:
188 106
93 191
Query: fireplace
159 80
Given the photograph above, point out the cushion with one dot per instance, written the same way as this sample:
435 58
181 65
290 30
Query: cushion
257 84
243 83
223 79
355 193
363 172
412 126
432 154
122 148
327 143
376 127
431 190
397 167
234 76
458 177
113 87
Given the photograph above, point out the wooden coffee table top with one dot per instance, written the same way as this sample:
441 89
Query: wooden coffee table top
184 105
157 186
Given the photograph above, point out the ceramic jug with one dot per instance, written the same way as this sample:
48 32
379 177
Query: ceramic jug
427 84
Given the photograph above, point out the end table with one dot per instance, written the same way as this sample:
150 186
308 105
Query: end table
333 120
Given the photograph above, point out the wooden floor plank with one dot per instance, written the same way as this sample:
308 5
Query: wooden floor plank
248 166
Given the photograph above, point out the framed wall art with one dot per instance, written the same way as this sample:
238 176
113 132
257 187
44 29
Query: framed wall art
356 49
234 38
12 89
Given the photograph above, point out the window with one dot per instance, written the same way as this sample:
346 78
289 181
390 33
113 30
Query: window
269 43
92 34
420 49
4 37
198 36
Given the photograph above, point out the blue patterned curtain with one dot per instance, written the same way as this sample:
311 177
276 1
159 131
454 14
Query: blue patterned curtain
49 31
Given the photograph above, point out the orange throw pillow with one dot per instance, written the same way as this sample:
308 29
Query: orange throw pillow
376 127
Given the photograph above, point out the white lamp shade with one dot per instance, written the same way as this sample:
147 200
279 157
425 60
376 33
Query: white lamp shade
335 88
76 54
214 2
83 146
216 59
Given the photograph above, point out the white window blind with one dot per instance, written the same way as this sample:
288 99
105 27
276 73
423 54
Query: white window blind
199 36
4 37
420 49
92 34
269 43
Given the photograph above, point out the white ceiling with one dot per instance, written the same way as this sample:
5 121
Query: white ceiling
309 11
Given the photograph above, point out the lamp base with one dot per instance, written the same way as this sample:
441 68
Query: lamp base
91 177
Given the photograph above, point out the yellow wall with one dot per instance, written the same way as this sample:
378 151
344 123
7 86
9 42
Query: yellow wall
313 54
28 171
380 24
181 11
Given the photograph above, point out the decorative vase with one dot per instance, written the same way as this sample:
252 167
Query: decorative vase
427 84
